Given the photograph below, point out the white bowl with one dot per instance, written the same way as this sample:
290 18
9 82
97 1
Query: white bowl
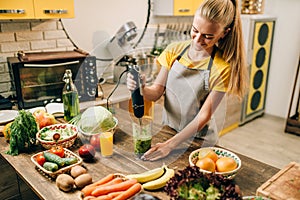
221 153
87 135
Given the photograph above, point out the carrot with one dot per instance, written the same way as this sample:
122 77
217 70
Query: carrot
94 187
112 182
129 192
101 190
104 180
103 197
87 190
115 194
89 198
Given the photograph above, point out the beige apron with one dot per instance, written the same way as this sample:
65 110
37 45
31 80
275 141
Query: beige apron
186 91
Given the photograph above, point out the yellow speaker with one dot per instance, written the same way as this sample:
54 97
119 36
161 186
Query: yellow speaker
260 38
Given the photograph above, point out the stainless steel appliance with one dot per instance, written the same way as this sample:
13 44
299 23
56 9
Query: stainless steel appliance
37 77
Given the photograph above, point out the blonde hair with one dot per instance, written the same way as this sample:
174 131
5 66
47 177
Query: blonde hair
226 13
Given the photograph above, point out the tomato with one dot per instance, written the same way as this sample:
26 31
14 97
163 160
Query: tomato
58 150
40 159
95 141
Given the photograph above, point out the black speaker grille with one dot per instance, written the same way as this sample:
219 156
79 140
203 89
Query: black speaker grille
258 79
255 100
263 34
260 57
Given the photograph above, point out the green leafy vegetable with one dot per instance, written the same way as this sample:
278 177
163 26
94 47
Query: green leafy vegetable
195 190
190 183
23 133
96 119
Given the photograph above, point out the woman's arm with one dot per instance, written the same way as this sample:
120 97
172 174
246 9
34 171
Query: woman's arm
156 90
161 150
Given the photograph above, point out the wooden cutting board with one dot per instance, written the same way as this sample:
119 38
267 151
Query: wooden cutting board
285 185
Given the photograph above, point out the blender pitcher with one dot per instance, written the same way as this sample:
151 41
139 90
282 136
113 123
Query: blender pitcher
142 128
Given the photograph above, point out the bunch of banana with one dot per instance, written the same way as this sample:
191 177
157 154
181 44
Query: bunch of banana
155 178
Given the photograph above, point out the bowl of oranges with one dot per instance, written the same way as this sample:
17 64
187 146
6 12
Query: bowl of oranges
216 160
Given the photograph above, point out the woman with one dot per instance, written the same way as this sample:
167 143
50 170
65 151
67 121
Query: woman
196 74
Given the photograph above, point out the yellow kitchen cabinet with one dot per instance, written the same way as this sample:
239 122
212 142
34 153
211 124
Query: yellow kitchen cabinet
36 9
47 9
185 7
175 7
16 9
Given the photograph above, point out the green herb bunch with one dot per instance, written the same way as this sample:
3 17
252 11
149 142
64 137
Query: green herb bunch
23 133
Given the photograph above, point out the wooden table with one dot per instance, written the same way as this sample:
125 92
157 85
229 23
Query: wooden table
251 175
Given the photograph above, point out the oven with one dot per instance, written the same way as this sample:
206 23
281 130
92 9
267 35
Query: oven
38 77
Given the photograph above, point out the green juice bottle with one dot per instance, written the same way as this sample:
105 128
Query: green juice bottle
70 97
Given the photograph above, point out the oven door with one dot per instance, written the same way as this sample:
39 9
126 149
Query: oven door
40 83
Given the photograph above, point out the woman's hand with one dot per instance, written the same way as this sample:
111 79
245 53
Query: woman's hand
131 83
158 151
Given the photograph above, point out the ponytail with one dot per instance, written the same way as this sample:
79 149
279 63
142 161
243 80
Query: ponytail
226 12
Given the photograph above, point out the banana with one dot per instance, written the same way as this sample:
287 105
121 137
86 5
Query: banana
147 175
161 181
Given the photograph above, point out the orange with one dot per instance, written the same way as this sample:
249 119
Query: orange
206 164
212 155
209 153
225 164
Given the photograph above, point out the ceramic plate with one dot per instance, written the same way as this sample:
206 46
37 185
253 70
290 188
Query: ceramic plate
7 116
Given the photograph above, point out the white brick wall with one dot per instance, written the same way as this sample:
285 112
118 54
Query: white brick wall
7 37
43 44
28 36
14 46
54 34
15 26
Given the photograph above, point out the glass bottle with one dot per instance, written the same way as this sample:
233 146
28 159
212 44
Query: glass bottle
70 97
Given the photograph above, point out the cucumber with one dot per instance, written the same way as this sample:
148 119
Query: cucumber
50 157
50 166
70 160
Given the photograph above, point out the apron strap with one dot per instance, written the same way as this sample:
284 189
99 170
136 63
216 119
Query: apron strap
210 60
183 51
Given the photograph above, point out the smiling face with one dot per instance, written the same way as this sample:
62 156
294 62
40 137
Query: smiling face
205 34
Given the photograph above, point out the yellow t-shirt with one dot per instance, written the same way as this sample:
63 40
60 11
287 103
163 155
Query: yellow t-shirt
220 71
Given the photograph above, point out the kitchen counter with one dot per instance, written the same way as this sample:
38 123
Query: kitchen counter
251 175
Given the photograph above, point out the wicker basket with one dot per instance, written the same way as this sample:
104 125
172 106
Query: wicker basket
62 170
66 143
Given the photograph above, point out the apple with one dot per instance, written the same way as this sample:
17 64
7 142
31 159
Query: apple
43 118
87 152
95 141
